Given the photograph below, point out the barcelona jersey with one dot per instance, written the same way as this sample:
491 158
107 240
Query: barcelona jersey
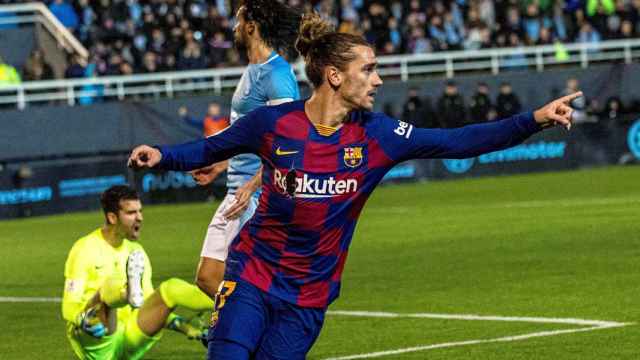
315 184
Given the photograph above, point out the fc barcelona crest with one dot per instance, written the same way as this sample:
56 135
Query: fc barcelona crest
353 156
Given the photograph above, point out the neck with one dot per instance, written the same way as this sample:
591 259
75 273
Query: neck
110 235
326 107
258 52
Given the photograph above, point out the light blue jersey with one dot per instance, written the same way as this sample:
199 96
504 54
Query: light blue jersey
260 85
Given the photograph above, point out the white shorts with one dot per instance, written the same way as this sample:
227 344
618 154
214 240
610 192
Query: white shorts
221 231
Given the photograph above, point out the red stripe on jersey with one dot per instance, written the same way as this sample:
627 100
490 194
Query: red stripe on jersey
316 155
314 294
258 273
377 156
310 215
267 146
273 232
329 242
337 274
352 133
295 265
357 204
246 242
293 125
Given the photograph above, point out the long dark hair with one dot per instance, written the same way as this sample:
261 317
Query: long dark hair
278 24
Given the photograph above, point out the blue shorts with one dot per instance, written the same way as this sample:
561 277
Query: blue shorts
250 323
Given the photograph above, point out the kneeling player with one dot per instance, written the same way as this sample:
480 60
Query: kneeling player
111 309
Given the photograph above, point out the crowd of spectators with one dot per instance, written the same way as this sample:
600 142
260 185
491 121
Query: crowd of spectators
145 36
450 109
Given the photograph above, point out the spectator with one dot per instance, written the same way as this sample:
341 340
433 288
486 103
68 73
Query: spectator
507 103
480 104
579 105
65 13
451 108
76 69
589 35
8 74
613 112
36 68
211 124
191 57
412 109
397 26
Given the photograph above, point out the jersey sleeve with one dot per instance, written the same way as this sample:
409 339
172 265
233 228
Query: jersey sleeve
75 280
281 85
403 141
243 136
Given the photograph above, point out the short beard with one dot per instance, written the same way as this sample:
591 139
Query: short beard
240 44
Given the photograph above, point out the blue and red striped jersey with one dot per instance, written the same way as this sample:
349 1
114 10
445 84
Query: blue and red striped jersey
314 187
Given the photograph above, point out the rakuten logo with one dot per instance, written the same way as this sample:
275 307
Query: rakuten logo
308 187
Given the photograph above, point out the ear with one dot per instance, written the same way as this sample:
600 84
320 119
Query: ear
112 218
334 76
250 27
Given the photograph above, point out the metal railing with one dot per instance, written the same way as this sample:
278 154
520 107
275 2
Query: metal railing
36 12
402 67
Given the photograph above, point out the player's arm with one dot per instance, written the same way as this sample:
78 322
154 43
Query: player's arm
208 174
243 195
477 139
244 136
75 280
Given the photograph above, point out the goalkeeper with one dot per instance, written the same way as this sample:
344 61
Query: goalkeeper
111 309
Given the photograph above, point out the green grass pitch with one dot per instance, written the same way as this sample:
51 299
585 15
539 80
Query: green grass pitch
554 245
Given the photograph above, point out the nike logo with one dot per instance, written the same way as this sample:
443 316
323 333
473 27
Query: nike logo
283 152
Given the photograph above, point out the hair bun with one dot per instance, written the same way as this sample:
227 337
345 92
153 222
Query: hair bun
312 27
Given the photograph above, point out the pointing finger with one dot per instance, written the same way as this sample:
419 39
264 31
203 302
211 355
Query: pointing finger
570 97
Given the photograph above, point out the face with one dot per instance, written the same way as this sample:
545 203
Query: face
128 220
214 109
239 31
360 81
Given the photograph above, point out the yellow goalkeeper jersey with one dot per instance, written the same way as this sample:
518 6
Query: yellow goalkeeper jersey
91 261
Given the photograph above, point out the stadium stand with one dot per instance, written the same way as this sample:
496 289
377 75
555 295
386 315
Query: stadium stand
143 36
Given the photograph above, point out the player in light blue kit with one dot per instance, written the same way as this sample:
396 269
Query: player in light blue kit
263 28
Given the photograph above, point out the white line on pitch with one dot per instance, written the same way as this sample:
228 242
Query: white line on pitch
471 342
543 320
25 299
594 325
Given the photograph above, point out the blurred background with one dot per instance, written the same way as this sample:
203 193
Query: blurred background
83 81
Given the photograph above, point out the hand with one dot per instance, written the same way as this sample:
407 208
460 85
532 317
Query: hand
205 175
241 203
144 156
557 112
182 111
91 324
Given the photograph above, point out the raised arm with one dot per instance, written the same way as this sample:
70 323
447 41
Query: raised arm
473 140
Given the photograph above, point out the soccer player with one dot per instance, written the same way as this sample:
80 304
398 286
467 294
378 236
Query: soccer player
322 157
263 28
111 309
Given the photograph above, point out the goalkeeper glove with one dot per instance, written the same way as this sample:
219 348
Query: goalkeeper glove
91 324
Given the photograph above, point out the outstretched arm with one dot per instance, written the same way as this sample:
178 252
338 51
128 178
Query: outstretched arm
473 140
244 136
